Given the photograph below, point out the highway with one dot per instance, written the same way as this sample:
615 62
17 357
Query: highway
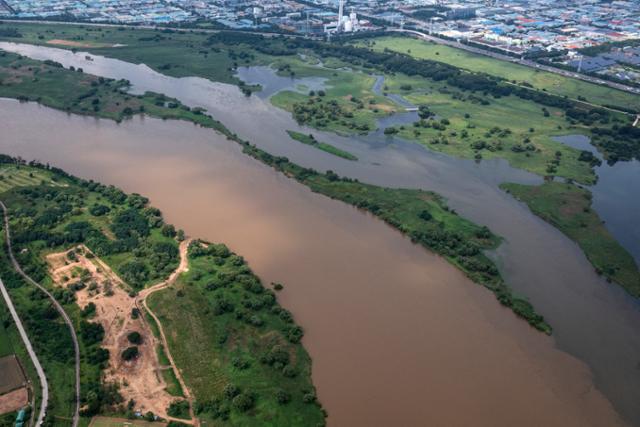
58 307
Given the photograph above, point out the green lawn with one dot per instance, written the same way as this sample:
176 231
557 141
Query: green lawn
310 140
346 106
225 329
174 54
553 83
122 422
568 207
484 127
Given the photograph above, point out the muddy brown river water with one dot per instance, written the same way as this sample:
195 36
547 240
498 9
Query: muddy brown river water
398 336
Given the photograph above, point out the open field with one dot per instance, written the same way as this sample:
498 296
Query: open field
172 53
477 126
347 105
122 422
568 207
16 176
14 400
543 80
11 374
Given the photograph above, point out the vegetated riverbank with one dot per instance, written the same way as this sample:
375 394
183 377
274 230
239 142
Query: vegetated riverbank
386 284
311 140
595 322
568 207
460 241
132 238
542 80
191 54
216 316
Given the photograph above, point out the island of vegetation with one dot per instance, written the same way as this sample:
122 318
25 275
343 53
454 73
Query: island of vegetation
117 268
422 215
568 207
311 140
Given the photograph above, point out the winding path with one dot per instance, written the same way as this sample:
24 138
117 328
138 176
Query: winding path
141 300
65 316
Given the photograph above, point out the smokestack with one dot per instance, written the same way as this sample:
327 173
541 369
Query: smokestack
340 13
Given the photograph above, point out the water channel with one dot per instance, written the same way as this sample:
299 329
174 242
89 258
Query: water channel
592 320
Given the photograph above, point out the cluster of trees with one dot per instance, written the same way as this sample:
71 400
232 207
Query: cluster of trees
130 221
320 113
10 32
619 142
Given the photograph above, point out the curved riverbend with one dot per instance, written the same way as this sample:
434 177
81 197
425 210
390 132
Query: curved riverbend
398 336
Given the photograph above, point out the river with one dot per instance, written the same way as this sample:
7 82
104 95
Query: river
592 320
616 195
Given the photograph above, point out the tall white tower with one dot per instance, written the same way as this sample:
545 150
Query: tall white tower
340 13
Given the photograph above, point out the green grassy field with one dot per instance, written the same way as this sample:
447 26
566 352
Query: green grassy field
310 140
553 83
482 127
81 93
346 106
12 176
172 53
122 422
226 330
568 207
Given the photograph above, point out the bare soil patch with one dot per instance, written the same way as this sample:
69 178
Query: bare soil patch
11 374
71 43
139 379
14 400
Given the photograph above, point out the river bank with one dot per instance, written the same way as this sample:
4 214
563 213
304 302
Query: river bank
591 320
384 287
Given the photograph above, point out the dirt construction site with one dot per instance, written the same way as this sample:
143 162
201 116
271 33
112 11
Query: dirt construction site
140 378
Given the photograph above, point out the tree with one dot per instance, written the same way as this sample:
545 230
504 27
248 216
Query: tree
134 337
282 397
130 353
243 402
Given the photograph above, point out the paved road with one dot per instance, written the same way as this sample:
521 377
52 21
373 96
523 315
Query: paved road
34 359
58 307
524 62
